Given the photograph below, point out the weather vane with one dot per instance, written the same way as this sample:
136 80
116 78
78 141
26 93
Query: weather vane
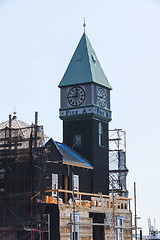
84 24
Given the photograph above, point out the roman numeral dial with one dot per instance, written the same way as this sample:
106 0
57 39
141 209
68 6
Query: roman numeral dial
76 96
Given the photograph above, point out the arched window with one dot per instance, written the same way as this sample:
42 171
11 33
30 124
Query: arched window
100 132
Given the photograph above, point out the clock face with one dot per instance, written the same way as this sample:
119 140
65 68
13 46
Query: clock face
76 96
101 97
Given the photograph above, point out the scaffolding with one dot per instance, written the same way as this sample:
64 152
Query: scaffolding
108 210
117 162
22 181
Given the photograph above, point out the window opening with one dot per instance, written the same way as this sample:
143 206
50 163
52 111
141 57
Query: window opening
49 148
77 140
76 183
76 226
54 184
100 131
120 229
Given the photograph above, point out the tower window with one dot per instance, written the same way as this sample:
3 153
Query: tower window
77 140
100 131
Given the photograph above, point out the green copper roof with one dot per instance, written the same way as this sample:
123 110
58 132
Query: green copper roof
84 67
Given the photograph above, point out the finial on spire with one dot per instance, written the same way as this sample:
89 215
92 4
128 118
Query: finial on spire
84 24
14 113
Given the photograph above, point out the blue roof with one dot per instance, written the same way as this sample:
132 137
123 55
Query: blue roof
84 67
71 157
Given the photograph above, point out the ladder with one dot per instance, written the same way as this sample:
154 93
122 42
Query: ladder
108 216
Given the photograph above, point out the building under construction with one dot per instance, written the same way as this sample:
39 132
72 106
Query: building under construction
70 190
35 206
22 178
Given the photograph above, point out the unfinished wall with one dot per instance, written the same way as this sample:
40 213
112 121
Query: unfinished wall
92 224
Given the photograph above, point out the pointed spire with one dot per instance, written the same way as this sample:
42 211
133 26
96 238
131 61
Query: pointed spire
84 67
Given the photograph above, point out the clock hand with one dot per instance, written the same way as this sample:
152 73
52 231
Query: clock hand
76 92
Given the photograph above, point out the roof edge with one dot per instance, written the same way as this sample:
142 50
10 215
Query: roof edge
77 165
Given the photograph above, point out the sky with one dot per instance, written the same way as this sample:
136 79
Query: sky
37 40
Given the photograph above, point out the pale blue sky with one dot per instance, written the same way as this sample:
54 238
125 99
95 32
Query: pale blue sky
37 40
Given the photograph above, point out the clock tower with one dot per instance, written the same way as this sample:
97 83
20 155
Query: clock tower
85 111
